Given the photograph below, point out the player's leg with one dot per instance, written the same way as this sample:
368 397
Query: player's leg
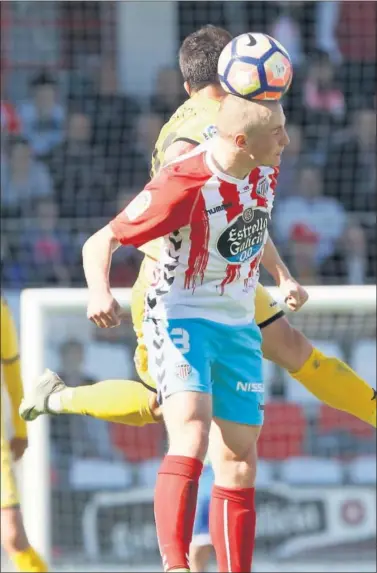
135 405
238 408
326 377
13 535
178 361
16 544
123 401
201 548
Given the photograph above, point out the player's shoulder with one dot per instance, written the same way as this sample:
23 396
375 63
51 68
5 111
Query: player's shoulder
200 123
188 170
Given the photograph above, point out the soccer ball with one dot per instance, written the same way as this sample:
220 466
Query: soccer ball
255 67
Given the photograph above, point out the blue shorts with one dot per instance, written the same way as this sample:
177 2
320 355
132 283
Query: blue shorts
201 534
197 355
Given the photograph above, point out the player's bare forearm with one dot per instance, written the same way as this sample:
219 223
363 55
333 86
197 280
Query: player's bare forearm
97 255
295 296
102 309
273 263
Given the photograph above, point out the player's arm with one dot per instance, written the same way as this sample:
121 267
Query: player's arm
10 361
165 204
273 263
295 295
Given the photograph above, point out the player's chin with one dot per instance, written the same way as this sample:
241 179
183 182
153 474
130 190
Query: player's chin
274 160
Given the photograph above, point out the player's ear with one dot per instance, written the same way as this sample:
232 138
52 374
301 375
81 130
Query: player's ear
240 141
187 88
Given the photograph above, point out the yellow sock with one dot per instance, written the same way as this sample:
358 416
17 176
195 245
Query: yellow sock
122 401
338 386
29 561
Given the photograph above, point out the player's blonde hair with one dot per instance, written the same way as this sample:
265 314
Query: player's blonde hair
237 115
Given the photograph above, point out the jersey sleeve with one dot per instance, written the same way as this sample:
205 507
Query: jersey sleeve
164 205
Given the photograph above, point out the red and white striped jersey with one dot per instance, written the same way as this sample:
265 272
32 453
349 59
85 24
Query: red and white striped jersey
214 228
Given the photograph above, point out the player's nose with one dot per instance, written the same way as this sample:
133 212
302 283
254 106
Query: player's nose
286 141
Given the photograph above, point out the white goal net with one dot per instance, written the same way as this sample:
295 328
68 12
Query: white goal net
88 484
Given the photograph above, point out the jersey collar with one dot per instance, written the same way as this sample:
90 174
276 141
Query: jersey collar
223 176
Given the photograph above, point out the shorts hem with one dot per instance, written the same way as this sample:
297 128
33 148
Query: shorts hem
147 386
241 422
188 389
272 319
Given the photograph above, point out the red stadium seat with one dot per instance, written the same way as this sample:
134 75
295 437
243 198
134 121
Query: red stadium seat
138 444
331 420
284 431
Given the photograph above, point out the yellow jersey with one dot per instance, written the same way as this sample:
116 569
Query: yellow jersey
193 122
10 367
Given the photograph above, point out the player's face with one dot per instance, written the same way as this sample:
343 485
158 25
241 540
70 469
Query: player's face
267 141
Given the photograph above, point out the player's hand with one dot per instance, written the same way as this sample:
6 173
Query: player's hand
18 447
104 310
295 295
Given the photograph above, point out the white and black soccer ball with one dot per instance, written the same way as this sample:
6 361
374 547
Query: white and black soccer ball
255 67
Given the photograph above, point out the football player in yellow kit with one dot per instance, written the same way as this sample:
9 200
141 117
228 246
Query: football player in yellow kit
13 536
328 378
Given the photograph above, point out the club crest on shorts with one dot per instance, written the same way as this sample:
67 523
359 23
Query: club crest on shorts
183 370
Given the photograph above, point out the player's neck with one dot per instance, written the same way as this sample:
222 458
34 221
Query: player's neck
229 161
212 91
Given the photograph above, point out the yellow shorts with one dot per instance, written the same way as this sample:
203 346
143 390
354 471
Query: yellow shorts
9 492
267 311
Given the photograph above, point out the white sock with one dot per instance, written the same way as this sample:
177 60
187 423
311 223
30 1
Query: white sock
54 402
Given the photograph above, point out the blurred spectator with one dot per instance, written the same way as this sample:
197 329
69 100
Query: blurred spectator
350 171
71 364
327 17
356 32
147 130
168 92
285 27
318 229
43 117
82 185
321 94
287 181
112 115
78 436
23 179
323 102
13 272
46 249
10 121
135 168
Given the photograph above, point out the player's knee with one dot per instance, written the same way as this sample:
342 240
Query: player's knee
188 420
13 536
192 441
285 345
237 469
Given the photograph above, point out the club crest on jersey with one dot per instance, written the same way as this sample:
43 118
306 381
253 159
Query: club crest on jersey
138 205
244 236
183 370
